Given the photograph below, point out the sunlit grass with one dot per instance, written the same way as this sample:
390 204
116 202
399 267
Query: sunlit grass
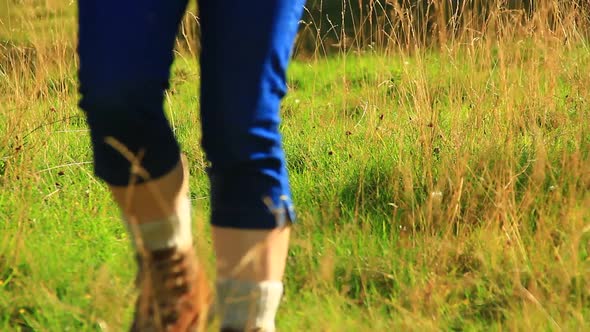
438 188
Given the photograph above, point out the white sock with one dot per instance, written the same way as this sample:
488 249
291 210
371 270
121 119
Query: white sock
174 231
246 306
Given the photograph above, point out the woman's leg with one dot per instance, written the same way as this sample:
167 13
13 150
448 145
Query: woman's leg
246 50
125 50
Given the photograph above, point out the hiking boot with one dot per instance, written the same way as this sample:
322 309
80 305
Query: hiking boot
173 292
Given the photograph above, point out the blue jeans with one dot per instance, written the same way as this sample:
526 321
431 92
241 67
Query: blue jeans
126 49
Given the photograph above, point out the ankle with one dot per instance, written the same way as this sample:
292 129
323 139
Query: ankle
245 305
163 233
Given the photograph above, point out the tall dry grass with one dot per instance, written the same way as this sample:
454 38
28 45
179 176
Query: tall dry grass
448 178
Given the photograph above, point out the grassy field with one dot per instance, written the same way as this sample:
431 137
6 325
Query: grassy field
440 188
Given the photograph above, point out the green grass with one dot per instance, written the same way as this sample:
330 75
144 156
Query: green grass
435 191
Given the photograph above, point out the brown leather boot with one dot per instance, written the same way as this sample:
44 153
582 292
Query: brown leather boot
174 295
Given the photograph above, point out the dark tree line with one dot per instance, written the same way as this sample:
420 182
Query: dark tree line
336 24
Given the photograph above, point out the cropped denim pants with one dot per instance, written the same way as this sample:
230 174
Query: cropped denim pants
126 49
